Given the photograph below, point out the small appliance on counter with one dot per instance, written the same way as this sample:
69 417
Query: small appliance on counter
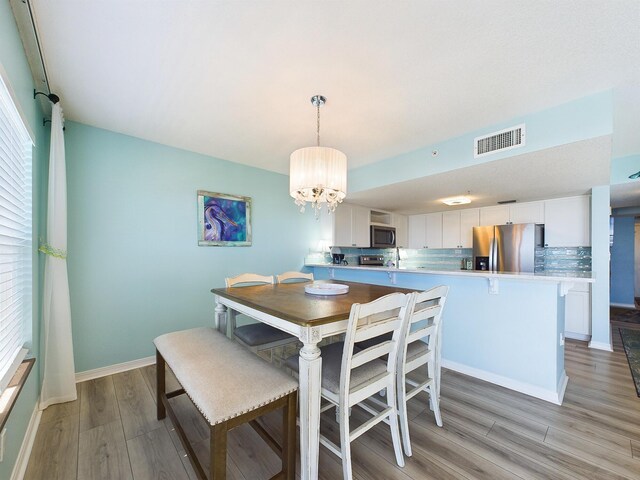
467 264
338 259
371 260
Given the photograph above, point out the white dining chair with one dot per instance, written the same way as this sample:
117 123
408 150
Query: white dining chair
294 276
351 375
421 347
255 336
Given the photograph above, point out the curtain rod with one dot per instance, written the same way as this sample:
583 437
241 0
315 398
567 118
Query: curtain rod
51 96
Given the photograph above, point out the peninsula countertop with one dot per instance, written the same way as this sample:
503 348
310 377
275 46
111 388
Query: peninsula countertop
574 277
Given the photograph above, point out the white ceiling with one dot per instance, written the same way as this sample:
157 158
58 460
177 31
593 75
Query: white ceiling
233 79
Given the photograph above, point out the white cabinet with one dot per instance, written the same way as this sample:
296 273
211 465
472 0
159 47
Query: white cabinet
451 229
434 230
469 218
457 228
577 313
351 226
425 231
360 227
567 222
400 222
417 231
342 225
498 215
529 212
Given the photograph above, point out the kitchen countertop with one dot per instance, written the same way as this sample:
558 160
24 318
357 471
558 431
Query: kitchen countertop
577 277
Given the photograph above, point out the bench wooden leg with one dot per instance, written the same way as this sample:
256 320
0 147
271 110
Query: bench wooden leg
160 386
289 447
218 449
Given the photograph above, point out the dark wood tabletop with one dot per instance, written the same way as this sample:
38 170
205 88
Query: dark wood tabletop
290 302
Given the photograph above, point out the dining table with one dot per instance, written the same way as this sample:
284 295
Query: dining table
310 318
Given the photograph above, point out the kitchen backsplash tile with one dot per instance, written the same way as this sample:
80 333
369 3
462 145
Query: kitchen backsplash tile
435 258
566 259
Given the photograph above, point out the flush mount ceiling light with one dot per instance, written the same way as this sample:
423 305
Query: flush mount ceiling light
456 200
318 174
634 176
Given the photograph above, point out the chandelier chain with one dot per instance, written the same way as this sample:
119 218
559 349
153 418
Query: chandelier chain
318 124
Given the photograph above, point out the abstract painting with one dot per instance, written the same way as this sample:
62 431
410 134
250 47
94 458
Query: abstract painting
224 220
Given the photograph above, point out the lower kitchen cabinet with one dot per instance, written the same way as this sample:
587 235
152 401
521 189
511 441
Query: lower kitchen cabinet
577 313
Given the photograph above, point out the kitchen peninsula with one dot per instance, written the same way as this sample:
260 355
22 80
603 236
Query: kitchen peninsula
505 328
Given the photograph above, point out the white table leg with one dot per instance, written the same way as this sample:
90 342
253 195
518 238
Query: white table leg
231 322
310 381
220 312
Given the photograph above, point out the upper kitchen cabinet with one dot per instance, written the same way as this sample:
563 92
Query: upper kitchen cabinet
529 212
457 228
351 226
417 231
400 222
425 231
567 222
498 215
434 230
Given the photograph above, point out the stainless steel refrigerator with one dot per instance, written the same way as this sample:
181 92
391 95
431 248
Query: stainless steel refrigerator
507 248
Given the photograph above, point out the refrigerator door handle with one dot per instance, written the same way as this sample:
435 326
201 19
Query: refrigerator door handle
492 246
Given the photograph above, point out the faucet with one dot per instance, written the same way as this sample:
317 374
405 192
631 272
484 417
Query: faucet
397 257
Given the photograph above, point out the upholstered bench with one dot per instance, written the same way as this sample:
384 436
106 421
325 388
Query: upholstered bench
229 386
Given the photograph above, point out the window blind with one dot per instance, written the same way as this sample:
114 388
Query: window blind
15 235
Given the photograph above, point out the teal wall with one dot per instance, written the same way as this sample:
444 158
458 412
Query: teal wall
135 268
622 261
14 63
582 119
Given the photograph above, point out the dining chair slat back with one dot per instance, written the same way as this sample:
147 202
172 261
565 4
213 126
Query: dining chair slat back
364 373
252 278
294 276
421 347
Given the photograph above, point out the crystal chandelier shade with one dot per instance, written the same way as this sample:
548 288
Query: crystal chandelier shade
318 175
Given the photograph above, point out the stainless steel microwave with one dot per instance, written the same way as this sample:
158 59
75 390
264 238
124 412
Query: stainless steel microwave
383 236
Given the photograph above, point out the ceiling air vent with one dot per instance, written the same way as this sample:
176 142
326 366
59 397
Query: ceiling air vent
499 141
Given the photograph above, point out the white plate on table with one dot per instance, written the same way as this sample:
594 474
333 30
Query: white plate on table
326 289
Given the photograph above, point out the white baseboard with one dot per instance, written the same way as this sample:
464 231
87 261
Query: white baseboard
577 336
20 467
562 386
600 346
553 396
623 305
111 369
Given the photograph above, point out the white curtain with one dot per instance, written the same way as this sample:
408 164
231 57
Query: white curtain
58 384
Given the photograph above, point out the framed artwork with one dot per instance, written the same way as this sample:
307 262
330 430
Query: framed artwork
223 220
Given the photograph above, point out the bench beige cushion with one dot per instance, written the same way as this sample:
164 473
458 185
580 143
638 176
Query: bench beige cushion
223 379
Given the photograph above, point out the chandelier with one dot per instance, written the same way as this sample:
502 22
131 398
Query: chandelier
318 174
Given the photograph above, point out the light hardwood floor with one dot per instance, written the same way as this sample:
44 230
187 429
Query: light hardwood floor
489 432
